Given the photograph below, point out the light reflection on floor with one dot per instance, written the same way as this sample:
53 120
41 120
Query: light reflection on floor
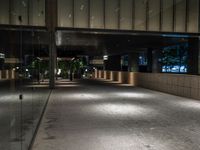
97 115
66 83
124 110
192 105
133 95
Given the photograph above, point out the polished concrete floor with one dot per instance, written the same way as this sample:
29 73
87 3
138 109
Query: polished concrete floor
98 115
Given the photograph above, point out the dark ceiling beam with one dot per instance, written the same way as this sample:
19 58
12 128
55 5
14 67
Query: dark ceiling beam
125 32
22 28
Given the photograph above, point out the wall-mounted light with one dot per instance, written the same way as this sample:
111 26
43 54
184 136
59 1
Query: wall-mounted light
105 57
2 55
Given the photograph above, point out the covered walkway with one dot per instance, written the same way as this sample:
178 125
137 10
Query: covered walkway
97 115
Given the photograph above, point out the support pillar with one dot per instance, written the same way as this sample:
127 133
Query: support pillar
52 61
156 65
51 23
7 74
199 57
133 62
149 60
194 56
113 63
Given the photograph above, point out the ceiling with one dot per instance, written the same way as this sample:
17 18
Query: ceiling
78 42
97 43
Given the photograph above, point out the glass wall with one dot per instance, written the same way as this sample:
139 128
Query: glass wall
24 58
175 58
22 12
24 86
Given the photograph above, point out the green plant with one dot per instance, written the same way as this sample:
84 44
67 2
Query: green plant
76 65
70 66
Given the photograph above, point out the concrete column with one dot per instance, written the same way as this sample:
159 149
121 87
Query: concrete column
7 74
193 56
1 63
113 63
133 62
95 73
52 63
51 23
12 74
149 60
199 58
156 65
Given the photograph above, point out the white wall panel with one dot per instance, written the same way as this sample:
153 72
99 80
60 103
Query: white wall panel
4 12
65 13
96 13
19 8
180 16
154 15
140 14
167 16
126 11
193 16
112 14
81 13
37 12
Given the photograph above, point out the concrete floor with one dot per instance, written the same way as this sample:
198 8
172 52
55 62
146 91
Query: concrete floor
97 115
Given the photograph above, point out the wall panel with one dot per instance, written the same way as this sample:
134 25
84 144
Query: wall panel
81 14
154 15
19 8
193 16
112 14
97 14
126 11
180 15
37 13
123 14
65 13
4 12
140 14
167 16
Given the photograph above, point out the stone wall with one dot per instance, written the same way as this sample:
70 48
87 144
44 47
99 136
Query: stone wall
118 76
176 84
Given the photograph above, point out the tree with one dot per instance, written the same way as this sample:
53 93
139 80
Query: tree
71 66
174 56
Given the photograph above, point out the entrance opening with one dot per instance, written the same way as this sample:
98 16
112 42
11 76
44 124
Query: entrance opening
80 53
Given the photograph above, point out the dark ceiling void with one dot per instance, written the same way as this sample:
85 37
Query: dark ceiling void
92 43
97 43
